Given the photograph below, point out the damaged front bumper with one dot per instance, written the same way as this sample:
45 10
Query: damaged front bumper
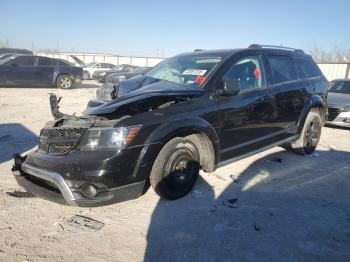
63 179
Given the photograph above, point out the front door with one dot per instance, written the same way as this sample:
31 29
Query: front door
23 71
246 118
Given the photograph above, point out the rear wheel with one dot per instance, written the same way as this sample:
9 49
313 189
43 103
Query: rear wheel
175 169
64 82
86 75
310 135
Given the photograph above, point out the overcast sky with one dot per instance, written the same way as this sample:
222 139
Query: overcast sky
153 27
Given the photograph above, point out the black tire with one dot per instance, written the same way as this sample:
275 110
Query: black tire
175 169
310 134
64 82
85 75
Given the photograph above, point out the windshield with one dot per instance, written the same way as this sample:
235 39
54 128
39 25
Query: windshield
340 87
5 60
192 70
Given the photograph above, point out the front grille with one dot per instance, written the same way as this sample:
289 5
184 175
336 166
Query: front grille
59 141
333 113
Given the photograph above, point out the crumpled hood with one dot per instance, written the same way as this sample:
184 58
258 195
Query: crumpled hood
338 99
143 88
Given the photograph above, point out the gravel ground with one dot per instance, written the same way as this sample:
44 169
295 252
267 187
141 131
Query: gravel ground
273 206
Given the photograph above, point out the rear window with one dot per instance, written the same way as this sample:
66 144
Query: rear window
44 61
24 61
308 68
282 69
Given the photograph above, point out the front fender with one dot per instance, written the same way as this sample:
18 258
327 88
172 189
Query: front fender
165 132
314 101
183 127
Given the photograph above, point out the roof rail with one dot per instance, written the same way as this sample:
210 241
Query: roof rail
197 50
276 47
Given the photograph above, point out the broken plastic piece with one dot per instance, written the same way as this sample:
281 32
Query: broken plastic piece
85 223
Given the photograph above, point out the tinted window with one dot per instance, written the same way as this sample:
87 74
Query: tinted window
308 68
282 69
24 61
109 65
340 87
44 61
248 72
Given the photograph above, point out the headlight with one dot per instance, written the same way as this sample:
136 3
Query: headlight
121 78
103 74
108 138
346 109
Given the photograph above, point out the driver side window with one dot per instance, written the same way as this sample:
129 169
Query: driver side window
248 71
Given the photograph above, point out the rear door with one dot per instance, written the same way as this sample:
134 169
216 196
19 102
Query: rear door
46 70
246 118
23 71
289 90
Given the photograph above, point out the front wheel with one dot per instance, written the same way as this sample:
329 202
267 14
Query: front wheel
64 82
175 169
310 134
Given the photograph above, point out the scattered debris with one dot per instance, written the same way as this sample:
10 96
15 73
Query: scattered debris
235 179
256 227
20 194
2 251
85 223
274 159
330 147
197 194
271 214
314 155
231 203
219 177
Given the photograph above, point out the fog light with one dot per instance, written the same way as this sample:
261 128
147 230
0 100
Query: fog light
88 190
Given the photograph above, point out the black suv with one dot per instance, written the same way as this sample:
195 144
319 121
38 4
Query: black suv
195 111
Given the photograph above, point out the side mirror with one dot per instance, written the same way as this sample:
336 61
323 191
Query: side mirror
230 87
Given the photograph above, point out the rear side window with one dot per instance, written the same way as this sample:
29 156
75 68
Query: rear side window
44 61
282 69
308 68
24 61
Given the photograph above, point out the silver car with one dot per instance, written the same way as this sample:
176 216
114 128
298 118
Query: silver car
339 103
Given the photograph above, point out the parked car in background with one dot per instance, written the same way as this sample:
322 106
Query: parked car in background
101 75
339 103
195 111
30 70
113 88
2 56
6 50
90 68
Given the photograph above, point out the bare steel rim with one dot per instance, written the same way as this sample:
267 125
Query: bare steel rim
65 82
85 75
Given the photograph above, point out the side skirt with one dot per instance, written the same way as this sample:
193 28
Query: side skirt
228 161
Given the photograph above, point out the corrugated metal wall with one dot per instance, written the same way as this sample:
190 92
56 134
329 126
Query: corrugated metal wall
330 70
104 58
334 70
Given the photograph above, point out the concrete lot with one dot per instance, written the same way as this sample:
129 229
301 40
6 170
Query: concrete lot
296 210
